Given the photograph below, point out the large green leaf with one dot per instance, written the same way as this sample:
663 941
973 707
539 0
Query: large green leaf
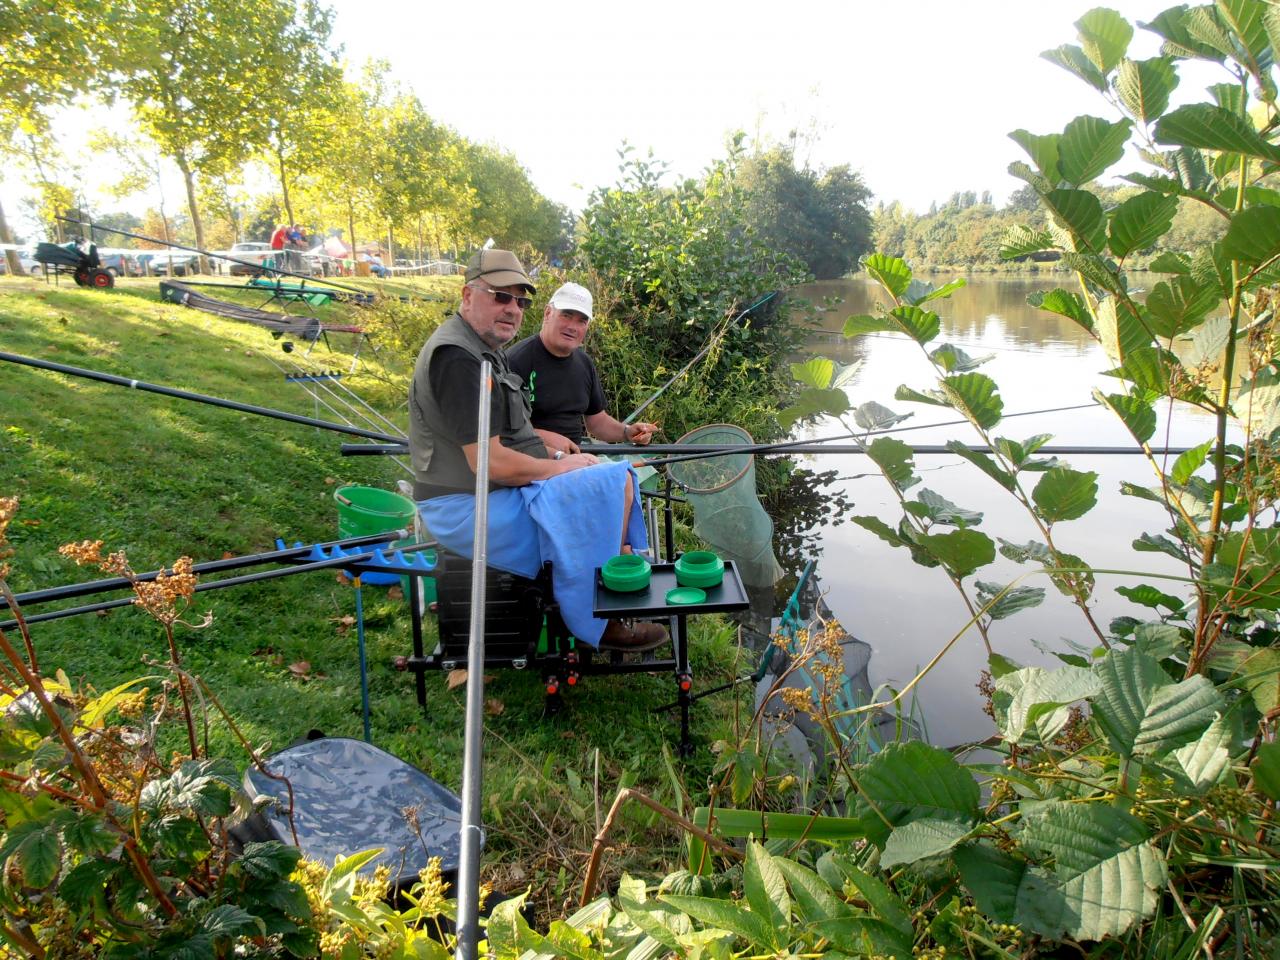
812 402
920 325
894 458
1171 24
1254 235
1105 36
1139 222
880 529
1136 413
1119 329
1148 596
921 839
765 888
1177 305
913 781
993 877
983 462
1143 711
1208 341
1043 151
1074 60
864 323
1266 769
954 360
1090 145
1079 212
1189 462
960 551
1144 86
658 920
865 937
34 849
891 272
974 395
1040 697
1209 127
927 291
1106 875
1065 304
1258 403
1202 762
814 898
727 916
875 416
1019 241
1245 18
814 372
1010 599
1065 494
941 510
884 903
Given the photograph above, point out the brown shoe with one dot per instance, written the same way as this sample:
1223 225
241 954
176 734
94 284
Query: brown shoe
638 637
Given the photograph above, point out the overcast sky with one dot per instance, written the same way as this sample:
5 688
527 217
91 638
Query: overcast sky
917 95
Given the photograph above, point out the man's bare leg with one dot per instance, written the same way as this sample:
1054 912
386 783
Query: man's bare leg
628 497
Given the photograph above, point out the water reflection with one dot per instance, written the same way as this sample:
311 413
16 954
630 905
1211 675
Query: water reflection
908 613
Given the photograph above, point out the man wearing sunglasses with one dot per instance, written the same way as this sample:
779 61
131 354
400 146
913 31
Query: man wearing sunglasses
570 509
564 386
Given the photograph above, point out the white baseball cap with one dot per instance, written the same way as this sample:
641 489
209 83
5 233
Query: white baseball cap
573 296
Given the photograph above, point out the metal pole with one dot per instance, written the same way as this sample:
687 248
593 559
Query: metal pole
473 757
197 397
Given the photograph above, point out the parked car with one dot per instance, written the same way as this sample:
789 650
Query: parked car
120 262
30 265
252 251
175 263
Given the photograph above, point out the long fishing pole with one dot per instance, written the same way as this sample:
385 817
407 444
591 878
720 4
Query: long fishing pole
68 591
348 561
209 253
199 398
700 354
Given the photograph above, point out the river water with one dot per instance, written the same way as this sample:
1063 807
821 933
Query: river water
907 612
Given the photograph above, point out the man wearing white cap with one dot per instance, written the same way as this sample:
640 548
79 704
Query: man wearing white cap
562 380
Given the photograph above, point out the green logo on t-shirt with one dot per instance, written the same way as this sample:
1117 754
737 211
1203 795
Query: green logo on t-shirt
533 375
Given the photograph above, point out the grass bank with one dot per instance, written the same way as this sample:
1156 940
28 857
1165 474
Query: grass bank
162 478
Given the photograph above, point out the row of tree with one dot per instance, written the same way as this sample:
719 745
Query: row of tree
968 230
216 87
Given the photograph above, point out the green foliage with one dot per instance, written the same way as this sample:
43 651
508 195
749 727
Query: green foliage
681 264
818 217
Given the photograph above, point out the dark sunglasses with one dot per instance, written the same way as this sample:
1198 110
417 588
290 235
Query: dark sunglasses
503 298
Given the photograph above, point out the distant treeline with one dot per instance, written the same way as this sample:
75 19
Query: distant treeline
965 233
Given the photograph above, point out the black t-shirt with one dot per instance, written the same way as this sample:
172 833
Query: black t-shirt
563 389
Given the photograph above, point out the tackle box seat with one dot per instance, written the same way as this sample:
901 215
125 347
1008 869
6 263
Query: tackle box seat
515 611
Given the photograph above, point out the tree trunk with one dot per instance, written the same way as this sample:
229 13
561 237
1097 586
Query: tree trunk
284 186
189 180
10 255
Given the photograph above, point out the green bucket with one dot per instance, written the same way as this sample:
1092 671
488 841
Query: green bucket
363 511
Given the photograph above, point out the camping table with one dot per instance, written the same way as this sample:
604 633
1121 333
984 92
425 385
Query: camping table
651 604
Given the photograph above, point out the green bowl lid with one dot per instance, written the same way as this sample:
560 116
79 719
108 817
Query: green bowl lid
684 595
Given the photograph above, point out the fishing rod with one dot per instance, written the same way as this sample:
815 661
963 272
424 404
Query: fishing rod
209 253
925 449
68 591
350 560
701 353
198 397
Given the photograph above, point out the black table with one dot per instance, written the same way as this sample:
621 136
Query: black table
651 604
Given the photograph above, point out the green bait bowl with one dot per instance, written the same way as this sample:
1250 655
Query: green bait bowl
699 568
626 573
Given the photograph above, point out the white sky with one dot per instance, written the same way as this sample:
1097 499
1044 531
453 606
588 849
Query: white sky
917 95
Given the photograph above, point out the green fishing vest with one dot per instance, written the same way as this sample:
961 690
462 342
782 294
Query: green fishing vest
437 460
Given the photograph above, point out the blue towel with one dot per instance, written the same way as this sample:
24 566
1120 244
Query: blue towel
574 520
579 521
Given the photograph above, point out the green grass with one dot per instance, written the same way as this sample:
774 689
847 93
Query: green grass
163 477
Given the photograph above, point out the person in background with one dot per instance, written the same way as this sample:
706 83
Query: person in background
569 509
278 240
562 380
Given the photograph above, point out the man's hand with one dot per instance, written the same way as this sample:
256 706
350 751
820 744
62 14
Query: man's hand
576 461
555 442
640 432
